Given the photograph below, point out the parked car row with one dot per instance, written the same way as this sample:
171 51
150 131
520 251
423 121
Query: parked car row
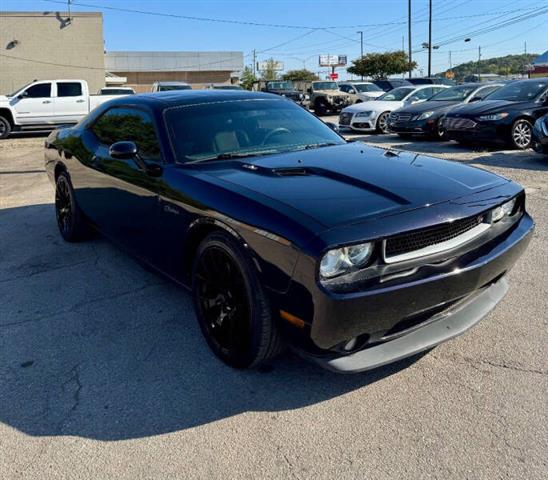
472 113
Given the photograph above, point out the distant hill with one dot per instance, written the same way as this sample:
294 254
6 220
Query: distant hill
507 65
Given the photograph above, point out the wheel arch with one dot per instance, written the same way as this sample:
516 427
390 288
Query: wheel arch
8 115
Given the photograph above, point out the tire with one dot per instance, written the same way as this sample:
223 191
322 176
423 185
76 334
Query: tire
70 220
382 122
5 128
537 147
320 108
521 135
439 134
232 309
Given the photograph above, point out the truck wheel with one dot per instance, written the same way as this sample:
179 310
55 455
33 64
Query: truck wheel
521 134
382 122
320 107
5 127
232 309
70 220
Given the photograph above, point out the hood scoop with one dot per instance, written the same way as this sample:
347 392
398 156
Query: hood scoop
291 171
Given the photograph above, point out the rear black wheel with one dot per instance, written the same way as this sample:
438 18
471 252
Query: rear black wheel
231 306
320 107
440 130
72 224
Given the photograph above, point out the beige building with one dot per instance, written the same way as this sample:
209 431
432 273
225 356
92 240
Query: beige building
49 45
142 69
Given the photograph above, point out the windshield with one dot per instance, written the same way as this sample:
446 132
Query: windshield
454 94
165 88
397 94
325 86
227 87
280 85
18 90
239 128
367 87
519 91
116 91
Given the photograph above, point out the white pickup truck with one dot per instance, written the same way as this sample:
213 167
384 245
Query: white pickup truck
46 104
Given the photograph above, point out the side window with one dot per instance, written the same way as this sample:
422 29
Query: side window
422 94
129 124
69 89
42 90
436 90
344 88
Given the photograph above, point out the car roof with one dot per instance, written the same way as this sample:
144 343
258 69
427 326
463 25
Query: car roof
176 98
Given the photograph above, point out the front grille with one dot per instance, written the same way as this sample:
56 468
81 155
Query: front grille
410 242
344 118
459 124
400 117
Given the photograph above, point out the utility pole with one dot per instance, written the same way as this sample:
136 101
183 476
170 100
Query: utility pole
361 45
479 60
409 34
450 61
254 63
430 39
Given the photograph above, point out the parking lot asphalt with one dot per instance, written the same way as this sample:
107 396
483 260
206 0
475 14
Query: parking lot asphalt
104 374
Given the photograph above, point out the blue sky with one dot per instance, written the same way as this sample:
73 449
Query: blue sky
324 26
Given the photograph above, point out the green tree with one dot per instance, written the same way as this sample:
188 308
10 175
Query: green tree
248 78
300 75
270 72
381 65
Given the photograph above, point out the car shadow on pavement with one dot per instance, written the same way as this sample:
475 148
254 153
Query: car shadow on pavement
93 345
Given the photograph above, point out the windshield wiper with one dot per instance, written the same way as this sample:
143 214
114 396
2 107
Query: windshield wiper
319 145
233 155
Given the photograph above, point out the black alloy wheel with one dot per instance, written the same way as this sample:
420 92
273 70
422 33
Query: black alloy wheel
382 122
70 221
232 309
440 130
522 134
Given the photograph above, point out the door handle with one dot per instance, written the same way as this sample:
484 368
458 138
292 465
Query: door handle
79 101
46 101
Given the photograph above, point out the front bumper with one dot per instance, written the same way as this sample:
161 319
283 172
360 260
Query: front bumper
414 127
445 326
488 132
540 138
359 124
380 318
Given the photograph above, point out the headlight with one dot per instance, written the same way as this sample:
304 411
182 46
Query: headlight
493 117
506 209
301 96
363 114
307 97
342 260
425 115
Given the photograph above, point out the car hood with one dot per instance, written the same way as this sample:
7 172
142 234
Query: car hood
374 105
332 92
489 106
370 94
350 183
428 106
4 99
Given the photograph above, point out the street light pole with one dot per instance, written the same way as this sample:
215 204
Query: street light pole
430 39
361 46
409 34
479 64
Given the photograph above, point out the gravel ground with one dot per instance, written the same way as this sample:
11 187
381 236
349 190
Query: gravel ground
103 372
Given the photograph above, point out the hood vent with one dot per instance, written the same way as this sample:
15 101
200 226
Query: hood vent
291 172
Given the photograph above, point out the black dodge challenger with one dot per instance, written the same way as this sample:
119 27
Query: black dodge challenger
286 233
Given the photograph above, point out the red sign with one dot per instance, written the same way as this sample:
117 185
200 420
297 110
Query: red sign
333 76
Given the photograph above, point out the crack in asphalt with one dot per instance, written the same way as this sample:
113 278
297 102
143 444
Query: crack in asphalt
474 362
45 270
75 308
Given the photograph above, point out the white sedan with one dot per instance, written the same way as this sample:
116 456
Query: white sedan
373 115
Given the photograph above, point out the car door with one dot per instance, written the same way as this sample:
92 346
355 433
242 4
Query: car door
70 104
123 200
34 105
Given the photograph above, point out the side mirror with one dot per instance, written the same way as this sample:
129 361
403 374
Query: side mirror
22 95
332 126
308 90
123 150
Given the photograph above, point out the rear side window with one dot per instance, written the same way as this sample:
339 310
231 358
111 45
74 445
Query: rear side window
69 89
42 90
482 93
129 124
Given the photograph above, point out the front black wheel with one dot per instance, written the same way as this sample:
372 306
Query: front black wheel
320 107
5 128
231 306
522 134
71 222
